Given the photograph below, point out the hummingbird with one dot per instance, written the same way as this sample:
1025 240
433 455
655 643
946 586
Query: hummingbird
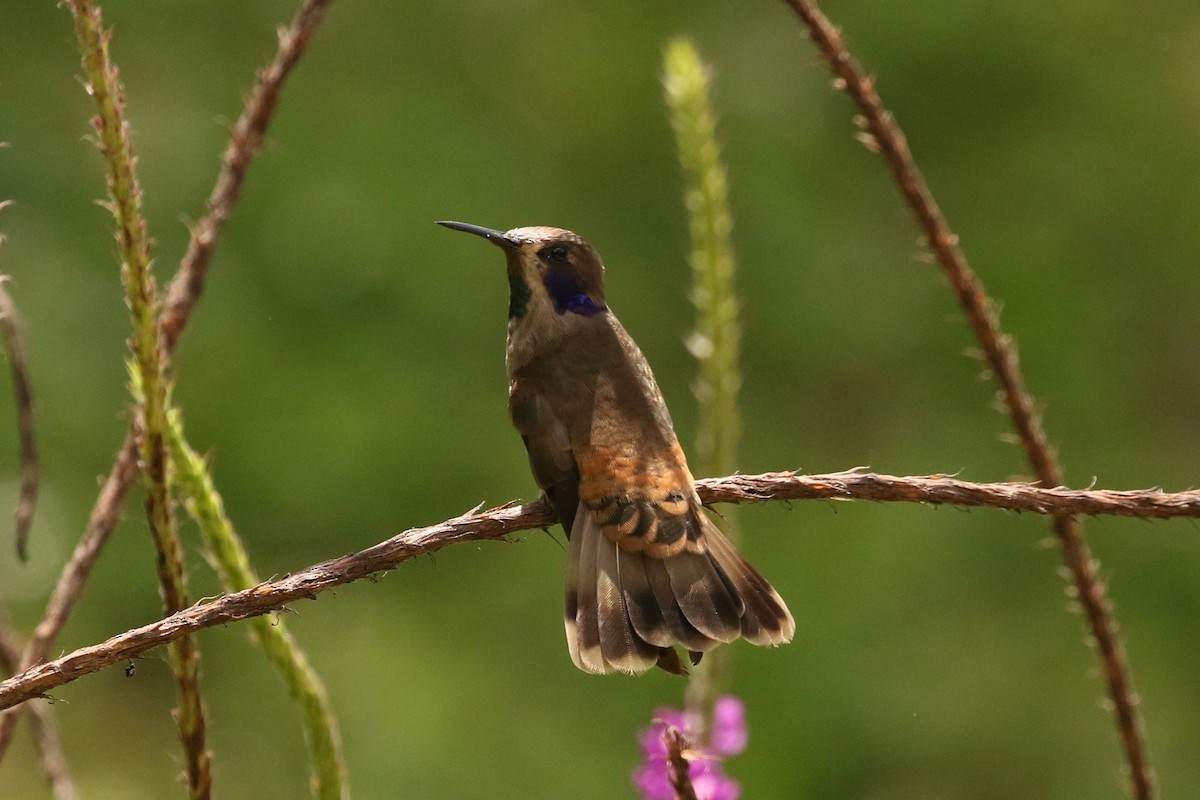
647 569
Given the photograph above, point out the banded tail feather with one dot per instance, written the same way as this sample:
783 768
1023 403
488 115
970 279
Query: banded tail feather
626 610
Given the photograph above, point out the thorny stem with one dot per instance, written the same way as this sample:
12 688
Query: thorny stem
52 759
884 135
232 563
678 772
14 349
103 519
715 342
500 522
182 297
150 382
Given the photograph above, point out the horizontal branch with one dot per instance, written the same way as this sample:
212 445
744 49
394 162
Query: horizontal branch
499 522
942 490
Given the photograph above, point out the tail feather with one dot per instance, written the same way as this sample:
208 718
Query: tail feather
588 655
766 620
703 598
571 601
625 611
620 645
680 627
640 601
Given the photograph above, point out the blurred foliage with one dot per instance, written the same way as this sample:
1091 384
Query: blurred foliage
687 90
344 370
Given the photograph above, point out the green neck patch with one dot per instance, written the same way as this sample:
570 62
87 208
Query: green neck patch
518 296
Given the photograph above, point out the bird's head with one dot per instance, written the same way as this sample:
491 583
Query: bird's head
551 273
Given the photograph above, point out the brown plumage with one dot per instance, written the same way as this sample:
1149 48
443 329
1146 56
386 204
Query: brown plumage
647 568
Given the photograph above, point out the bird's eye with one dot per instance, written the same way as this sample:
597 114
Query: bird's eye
557 253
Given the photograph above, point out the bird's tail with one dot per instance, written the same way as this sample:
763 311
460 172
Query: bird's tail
625 611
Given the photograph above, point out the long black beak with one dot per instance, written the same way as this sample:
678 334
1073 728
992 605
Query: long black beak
494 236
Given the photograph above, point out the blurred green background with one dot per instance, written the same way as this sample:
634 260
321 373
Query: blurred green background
345 371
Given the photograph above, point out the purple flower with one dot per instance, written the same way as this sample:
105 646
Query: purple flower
652 739
729 733
708 778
